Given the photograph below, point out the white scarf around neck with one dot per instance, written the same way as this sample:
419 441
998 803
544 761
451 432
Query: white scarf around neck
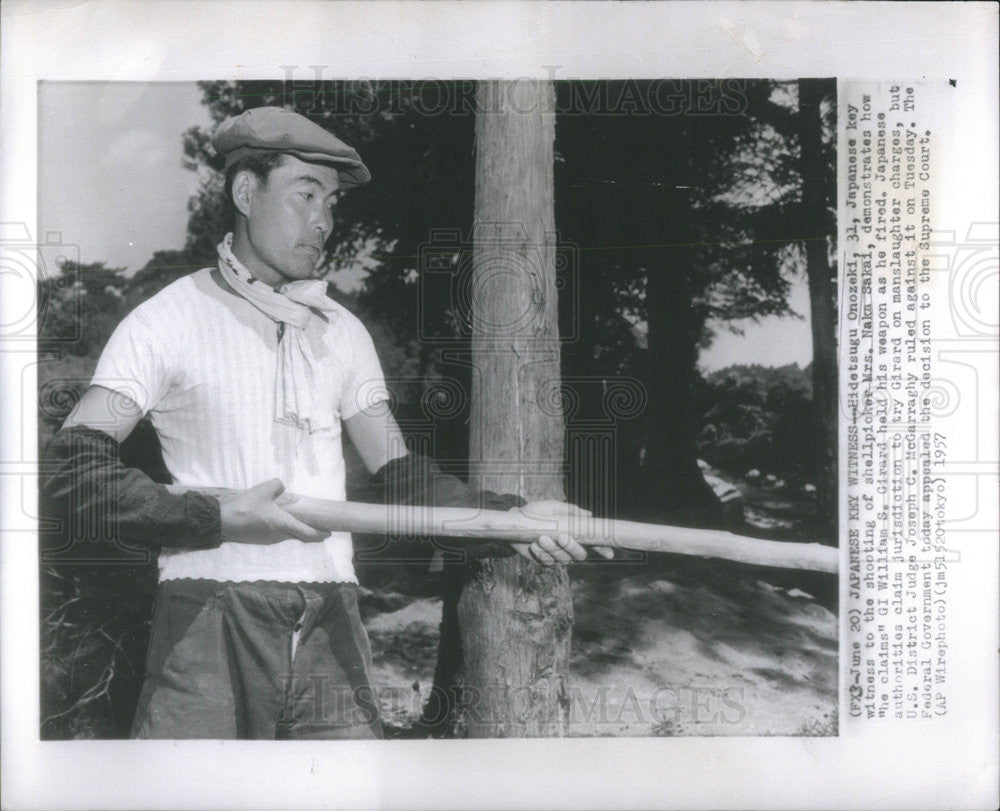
303 391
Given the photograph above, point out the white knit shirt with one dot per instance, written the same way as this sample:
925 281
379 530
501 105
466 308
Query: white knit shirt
201 361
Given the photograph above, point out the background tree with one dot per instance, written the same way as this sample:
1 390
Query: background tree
79 306
783 195
817 169
645 197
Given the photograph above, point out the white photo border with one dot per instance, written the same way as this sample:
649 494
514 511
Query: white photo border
935 765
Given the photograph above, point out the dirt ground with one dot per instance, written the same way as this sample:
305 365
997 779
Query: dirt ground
662 645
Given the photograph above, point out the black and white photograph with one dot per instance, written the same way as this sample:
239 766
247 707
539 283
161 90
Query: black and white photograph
499 404
618 296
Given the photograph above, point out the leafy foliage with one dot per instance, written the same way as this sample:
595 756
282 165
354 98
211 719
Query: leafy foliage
755 418
80 307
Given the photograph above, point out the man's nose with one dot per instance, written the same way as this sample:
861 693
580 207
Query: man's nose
322 221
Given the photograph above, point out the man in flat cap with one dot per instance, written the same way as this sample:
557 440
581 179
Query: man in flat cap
249 371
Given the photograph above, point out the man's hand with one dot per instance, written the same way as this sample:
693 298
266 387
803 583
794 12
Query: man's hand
558 546
253 516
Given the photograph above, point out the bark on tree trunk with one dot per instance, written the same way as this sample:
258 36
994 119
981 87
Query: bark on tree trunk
817 194
516 618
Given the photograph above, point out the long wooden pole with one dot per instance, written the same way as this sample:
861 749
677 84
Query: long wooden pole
516 525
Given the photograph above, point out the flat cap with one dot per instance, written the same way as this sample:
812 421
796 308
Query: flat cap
273 129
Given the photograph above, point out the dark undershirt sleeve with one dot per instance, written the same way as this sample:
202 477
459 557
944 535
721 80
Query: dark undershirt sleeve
417 480
83 482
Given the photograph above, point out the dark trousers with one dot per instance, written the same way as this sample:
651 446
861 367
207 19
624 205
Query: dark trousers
257 660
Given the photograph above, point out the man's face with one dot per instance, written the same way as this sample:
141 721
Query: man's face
288 219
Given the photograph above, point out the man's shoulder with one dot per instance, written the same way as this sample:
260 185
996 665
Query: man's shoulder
182 294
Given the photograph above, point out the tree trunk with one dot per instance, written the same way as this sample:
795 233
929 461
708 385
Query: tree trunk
516 618
672 488
817 198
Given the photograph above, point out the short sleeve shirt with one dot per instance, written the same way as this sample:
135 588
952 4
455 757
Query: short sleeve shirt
201 362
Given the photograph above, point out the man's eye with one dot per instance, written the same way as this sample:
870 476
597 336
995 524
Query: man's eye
307 195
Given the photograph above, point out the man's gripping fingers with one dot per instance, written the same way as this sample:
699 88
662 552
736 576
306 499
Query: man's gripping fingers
253 516
272 489
563 548
300 530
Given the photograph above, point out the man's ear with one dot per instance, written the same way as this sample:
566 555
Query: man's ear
243 188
